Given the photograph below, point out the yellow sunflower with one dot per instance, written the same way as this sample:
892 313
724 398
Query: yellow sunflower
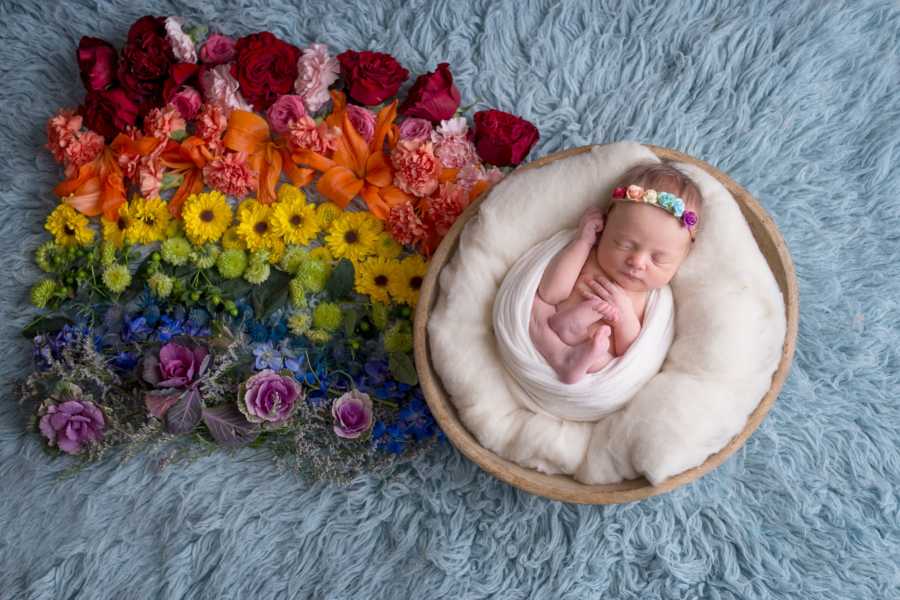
375 276
405 287
295 220
245 206
351 236
116 232
69 227
206 216
153 214
254 226
327 212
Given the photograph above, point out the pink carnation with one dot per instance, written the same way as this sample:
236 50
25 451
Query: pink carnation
316 71
445 206
451 144
210 126
220 87
69 144
404 224
473 173
417 168
162 122
150 174
305 134
230 175
363 121
284 110
415 129
218 49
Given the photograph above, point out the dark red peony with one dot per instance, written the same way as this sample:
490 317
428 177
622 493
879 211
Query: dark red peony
371 77
97 63
433 96
145 61
265 68
108 112
503 139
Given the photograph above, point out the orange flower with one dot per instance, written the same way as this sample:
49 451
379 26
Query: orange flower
96 187
357 168
187 159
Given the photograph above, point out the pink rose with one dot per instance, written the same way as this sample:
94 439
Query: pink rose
417 168
284 110
415 129
363 121
218 50
316 71
352 414
187 101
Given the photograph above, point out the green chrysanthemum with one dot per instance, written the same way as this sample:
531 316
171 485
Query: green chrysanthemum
298 293
160 284
43 256
43 292
327 316
299 322
318 336
231 263
314 275
257 272
205 256
398 338
379 315
292 258
107 254
176 251
117 278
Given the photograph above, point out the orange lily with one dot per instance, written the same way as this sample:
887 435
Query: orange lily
96 188
357 168
249 133
186 159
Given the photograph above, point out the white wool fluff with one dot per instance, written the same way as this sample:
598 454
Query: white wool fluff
729 330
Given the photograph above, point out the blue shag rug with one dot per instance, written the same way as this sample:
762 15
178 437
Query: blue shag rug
797 101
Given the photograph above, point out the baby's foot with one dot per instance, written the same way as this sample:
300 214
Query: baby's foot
571 325
587 355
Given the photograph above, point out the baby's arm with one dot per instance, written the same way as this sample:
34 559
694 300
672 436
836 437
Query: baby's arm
562 272
626 326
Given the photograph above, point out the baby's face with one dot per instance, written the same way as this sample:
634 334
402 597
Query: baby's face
641 246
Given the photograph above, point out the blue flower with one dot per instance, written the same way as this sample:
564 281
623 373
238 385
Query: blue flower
259 333
666 200
169 328
124 361
135 330
267 357
418 419
678 207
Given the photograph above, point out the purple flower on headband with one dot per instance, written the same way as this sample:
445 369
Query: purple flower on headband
689 218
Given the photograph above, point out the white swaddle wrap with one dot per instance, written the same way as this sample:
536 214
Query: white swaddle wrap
597 394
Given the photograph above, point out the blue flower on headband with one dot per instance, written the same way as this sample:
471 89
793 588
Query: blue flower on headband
678 208
666 200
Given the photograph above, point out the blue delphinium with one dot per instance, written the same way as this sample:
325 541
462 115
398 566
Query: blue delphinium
267 357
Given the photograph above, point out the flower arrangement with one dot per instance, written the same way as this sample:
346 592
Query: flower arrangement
239 240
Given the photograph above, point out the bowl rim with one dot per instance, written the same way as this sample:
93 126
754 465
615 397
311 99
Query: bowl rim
564 487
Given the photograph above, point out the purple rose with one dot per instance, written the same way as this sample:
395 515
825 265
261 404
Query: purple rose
689 218
284 110
176 366
72 425
363 121
187 101
218 49
352 414
415 129
270 398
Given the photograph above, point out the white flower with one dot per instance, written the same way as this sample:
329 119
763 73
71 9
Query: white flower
182 44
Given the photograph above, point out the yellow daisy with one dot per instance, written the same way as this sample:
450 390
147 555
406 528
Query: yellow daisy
254 226
276 249
327 212
206 216
288 191
405 287
351 236
69 227
153 213
116 232
387 247
232 240
295 221
245 206
375 276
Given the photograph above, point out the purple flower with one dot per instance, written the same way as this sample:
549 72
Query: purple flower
267 357
352 414
176 366
72 425
270 398
689 218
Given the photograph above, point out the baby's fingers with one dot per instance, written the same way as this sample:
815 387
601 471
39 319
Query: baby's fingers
599 290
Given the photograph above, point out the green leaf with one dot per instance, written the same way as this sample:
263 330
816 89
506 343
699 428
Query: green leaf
351 318
229 426
270 295
198 33
340 284
44 324
178 135
402 368
171 181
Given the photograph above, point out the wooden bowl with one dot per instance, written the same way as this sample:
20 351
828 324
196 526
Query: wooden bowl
563 487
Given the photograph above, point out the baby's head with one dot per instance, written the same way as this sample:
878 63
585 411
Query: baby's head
642 243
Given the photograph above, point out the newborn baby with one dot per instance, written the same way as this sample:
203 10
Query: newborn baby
589 306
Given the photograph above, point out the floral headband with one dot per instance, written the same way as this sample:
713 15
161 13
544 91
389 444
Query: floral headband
666 201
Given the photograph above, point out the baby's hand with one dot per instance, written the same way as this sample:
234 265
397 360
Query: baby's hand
612 293
590 225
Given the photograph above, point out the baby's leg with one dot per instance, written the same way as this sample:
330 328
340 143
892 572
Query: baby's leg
570 363
571 325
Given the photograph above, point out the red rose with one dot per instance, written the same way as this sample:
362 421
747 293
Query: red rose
180 75
97 63
433 96
108 112
145 61
371 77
503 139
265 68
